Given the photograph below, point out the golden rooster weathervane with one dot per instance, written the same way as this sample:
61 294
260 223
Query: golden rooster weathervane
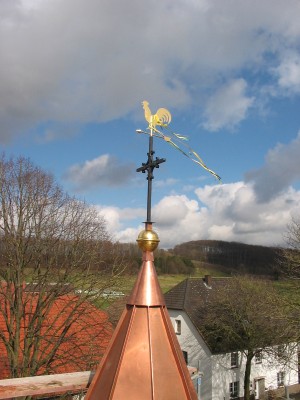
162 118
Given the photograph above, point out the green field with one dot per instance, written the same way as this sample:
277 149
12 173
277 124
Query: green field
288 288
167 281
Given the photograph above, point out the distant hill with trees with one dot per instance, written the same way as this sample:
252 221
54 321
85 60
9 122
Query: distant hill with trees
231 257
215 257
166 262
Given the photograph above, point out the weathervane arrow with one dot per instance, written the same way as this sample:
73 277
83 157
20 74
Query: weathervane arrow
162 118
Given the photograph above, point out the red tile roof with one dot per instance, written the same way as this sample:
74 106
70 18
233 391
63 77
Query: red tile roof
84 344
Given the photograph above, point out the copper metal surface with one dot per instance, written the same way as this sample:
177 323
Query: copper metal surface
107 372
146 291
167 377
143 360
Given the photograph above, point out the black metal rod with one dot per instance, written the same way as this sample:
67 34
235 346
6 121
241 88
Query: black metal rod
150 177
149 167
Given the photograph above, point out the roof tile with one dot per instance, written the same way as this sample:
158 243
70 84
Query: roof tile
83 345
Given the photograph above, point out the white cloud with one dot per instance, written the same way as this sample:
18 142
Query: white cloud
288 73
281 169
171 209
256 211
112 216
128 235
74 61
104 170
167 182
228 212
228 106
31 4
116 218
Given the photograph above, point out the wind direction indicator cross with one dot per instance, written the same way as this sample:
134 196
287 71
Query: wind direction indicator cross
149 167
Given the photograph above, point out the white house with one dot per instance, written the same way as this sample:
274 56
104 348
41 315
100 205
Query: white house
221 376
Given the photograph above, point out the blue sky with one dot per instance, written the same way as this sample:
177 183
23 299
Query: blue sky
74 74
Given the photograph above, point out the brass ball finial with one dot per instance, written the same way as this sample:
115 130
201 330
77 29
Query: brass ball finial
147 240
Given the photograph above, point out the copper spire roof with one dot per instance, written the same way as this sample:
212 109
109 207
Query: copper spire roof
144 360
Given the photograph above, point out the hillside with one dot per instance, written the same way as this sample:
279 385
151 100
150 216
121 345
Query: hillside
230 256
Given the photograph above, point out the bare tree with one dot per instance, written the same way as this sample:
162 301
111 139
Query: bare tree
289 262
52 247
288 265
245 315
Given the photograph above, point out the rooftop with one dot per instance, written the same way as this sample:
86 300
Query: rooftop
192 296
83 345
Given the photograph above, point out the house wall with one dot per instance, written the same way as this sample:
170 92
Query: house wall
271 365
223 373
199 355
217 371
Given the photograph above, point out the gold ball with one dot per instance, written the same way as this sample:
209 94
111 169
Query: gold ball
148 240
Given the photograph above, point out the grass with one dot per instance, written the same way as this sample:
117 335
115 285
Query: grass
201 269
204 268
290 291
167 281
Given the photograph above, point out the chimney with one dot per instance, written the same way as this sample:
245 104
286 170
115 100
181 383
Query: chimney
208 280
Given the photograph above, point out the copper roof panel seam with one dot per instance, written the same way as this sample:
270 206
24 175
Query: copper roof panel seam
180 362
150 353
167 380
92 392
123 351
134 378
172 341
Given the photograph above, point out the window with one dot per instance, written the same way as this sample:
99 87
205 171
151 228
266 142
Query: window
280 378
177 326
185 355
258 357
234 389
281 351
234 360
